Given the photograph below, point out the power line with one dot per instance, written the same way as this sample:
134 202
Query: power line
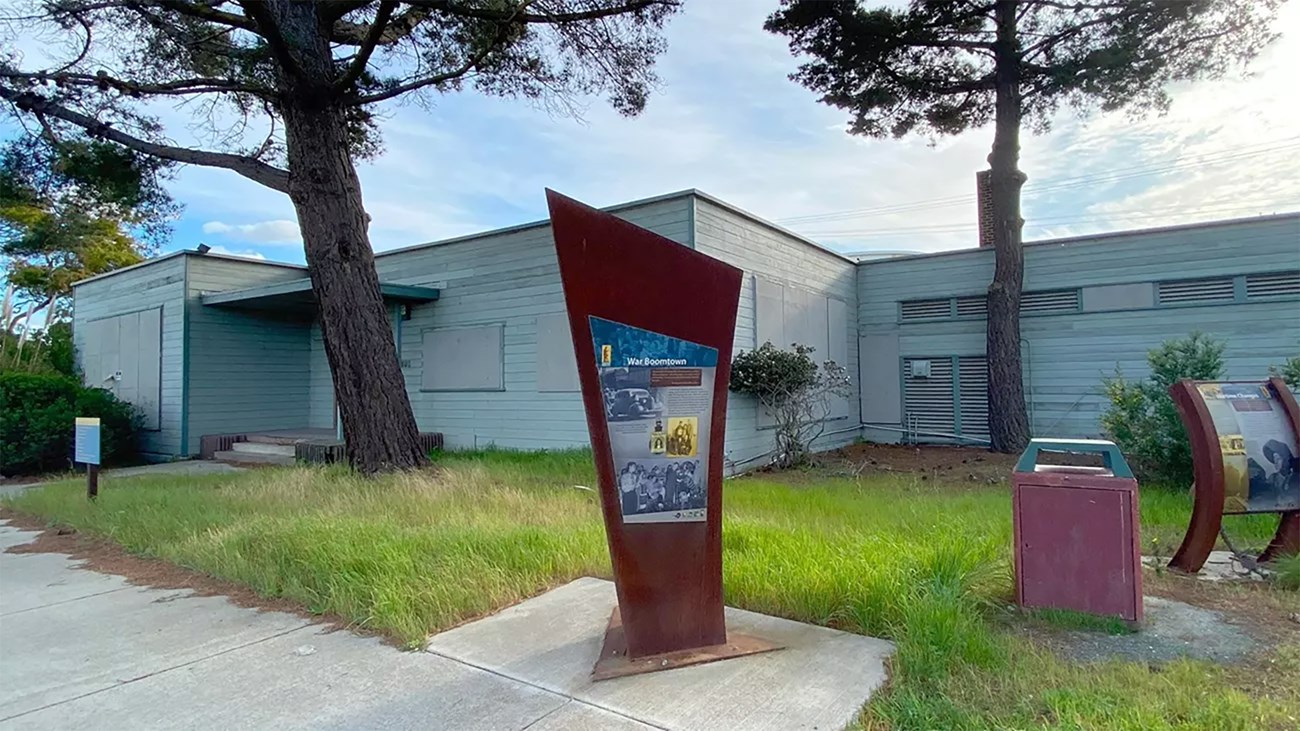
1071 183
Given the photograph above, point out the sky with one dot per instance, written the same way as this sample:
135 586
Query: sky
728 121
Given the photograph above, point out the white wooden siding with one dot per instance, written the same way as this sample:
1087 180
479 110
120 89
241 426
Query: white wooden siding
779 258
157 285
1067 354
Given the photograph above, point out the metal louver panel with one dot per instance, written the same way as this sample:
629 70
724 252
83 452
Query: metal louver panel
973 378
1195 290
1273 284
924 310
977 306
927 402
1061 300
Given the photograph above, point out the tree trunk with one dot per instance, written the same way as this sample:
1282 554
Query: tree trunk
1008 421
378 424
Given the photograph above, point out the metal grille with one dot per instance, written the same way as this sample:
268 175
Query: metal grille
1274 284
924 310
976 306
973 377
1184 291
928 401
1061 300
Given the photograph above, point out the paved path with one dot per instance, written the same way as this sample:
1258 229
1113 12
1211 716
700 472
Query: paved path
80 649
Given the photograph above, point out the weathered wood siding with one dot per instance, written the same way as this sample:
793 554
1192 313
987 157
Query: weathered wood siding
768 252
1068 354
510 278
159 284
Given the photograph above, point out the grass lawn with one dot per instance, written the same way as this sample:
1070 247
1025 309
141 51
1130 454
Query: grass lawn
920 562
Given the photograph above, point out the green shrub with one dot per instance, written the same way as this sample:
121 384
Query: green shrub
1289 371
1141 417
795 390
37 413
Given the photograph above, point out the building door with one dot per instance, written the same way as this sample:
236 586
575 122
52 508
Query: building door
123 354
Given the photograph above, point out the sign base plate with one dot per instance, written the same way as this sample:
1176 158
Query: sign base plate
614 661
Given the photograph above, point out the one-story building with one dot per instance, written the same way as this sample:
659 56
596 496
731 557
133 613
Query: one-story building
207 344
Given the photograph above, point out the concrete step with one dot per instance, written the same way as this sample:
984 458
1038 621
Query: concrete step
262 448
253 458
270 439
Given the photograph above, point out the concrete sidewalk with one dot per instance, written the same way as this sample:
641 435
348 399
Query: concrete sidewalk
80 649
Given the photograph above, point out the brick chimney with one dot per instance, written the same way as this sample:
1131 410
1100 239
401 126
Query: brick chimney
984 204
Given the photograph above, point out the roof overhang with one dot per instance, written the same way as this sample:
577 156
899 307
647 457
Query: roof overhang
295 295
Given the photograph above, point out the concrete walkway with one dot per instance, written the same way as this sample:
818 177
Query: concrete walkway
84 650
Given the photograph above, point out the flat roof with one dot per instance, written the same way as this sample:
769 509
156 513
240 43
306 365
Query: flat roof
296 294
1098 237
190 252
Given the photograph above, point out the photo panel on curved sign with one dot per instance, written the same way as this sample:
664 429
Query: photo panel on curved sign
658 396
1261 456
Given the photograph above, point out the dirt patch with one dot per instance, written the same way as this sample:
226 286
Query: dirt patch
104 556
948 464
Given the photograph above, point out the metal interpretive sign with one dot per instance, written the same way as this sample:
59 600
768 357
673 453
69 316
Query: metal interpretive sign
1246 459
653 323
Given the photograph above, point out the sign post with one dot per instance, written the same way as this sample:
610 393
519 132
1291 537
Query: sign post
86 452
653 323
1246 459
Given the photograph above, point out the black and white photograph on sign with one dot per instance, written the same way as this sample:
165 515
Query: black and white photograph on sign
628 395
659 486
1274 475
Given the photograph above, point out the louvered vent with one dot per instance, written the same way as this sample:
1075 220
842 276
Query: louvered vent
1274 284
924 310
977 306
928 401
973 376
1061 300
1185 291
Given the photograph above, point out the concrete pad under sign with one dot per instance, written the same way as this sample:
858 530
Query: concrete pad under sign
819 680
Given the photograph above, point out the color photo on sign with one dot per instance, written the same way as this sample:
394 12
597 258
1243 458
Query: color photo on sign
658 395
1261 461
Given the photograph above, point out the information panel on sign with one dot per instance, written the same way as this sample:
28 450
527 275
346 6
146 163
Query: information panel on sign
1261 458
658 394
86 450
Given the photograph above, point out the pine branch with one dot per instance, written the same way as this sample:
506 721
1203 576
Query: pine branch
454 8
255 170
373 35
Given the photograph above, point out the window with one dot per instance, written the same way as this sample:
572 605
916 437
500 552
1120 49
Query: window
1273 284
1043 303
924 310
463 359
785 315
1188 291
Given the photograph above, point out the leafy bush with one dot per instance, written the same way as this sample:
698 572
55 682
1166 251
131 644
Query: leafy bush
795 390
1141 417
1289 371
37 413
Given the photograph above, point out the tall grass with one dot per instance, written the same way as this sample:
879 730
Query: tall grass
923 564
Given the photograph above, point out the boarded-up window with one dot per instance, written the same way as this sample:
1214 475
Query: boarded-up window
787 315
769 313
557 368
124 355
463 359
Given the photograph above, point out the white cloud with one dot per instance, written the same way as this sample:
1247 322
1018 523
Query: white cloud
246 253
279 231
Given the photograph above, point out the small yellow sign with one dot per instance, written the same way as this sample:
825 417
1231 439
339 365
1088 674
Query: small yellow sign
606 354
87 421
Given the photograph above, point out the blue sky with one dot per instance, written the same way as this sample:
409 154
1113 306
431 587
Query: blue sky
727 120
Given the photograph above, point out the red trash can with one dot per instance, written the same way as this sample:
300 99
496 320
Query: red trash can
1077 543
